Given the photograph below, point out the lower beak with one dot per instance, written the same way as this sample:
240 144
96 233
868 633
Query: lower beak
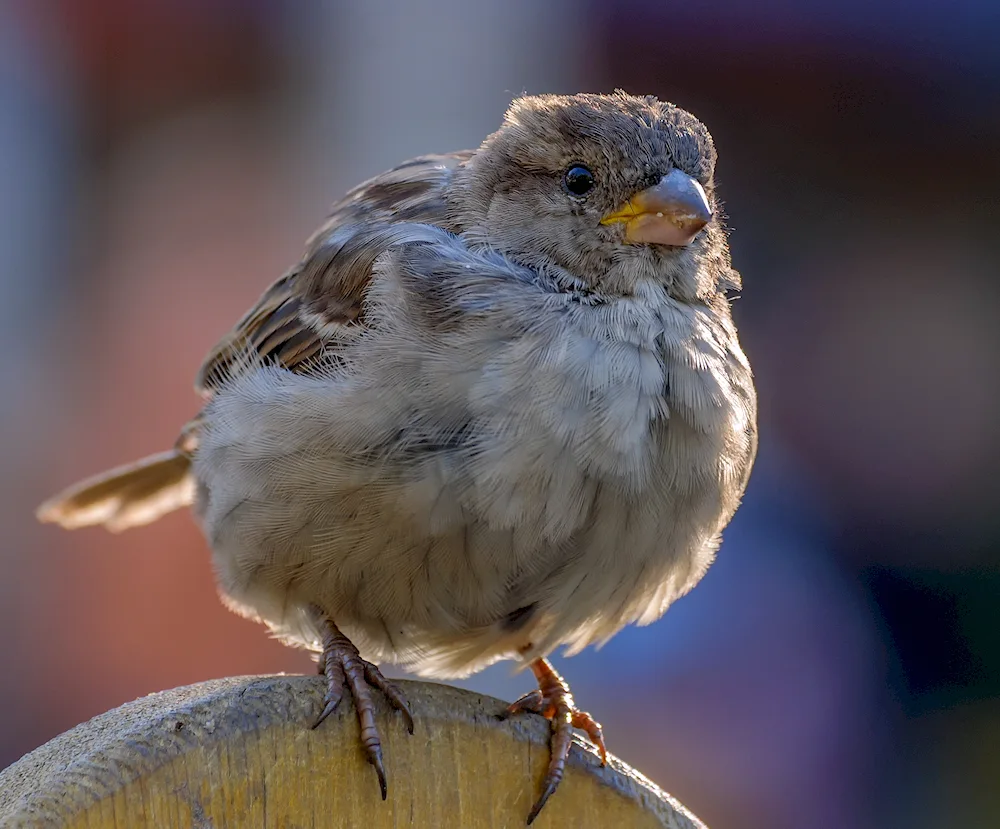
671 212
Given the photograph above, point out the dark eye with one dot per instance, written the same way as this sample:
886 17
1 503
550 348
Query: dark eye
578 180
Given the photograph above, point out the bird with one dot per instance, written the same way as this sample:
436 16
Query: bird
498 408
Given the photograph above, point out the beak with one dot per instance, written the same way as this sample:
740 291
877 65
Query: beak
670 212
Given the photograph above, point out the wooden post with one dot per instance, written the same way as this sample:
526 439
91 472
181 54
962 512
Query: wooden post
240 752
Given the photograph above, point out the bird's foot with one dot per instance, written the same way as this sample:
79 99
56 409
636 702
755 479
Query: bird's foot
554 701
343 666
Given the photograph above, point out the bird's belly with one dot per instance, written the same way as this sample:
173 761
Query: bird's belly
401 590
411 577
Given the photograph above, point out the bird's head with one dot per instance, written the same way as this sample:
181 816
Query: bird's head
615 189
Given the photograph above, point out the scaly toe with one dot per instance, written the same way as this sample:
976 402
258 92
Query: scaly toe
533 702
343 668
589 726
391 692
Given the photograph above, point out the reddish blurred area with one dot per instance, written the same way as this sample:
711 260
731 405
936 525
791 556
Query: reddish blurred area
163 161
135 62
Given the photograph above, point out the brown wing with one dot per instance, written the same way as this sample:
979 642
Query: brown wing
300 313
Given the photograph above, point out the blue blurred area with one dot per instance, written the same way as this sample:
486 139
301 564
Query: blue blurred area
839 666
962 33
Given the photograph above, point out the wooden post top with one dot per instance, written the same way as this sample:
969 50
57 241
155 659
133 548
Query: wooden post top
240 752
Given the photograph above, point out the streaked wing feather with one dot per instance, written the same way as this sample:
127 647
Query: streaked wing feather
296 317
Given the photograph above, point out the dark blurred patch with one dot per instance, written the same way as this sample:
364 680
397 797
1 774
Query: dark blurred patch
944 629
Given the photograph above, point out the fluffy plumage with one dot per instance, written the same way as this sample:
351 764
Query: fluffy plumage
474 422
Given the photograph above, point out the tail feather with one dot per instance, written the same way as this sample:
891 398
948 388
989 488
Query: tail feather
127 496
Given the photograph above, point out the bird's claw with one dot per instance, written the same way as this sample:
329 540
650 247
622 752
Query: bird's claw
553 700
343 667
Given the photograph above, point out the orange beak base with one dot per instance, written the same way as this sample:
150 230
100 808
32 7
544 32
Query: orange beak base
671 212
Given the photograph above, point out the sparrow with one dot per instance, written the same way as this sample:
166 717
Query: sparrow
499 407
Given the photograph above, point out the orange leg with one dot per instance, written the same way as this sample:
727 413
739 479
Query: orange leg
554 701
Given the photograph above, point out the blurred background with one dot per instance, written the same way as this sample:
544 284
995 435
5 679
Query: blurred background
161 162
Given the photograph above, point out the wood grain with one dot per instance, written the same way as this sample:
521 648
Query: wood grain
239 752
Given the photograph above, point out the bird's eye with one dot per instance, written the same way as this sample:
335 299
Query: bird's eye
578 180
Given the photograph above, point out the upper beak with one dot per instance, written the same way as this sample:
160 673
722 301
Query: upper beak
671 212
